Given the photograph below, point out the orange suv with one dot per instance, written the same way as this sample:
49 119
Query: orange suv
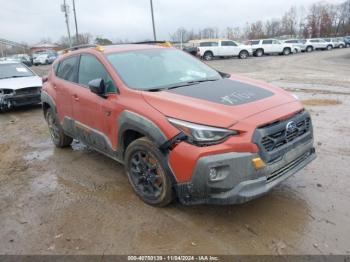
181 128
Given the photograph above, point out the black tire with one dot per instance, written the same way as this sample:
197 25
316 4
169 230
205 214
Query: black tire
58 137
208 55
347 45
243 54
46 62
341 46
309 49
145 166
259 52
286 51
329 47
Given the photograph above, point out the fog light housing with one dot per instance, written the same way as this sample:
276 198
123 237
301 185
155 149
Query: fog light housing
213 173
218 173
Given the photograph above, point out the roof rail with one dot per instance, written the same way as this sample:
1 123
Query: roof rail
73 48
77 47
160 43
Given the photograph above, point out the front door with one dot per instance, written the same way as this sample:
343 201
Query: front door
92 112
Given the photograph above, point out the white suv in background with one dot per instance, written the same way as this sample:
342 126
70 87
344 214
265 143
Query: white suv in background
335 42
317 44
299 45
271 46
207 50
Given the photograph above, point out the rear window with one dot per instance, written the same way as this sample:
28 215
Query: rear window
209 44
67 69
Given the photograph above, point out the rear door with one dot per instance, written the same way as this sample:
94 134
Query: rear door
63 84
267 46
94 114
277 46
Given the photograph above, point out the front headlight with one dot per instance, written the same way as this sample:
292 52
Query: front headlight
202 135
6 91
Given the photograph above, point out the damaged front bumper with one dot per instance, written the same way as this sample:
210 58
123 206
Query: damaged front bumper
231 178
9 101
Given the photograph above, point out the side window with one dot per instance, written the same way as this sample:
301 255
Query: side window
254 42
67 69
275 42
228 43
55 68
209 44
90 68
267 42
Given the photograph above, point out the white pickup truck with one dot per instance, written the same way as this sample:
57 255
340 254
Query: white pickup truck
271 46
223 48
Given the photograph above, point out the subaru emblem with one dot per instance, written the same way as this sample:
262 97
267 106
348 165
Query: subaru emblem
291 127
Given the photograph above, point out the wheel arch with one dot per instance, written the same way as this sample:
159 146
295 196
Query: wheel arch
132 126
47 102
137 126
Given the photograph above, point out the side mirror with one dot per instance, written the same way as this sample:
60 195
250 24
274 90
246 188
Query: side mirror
97 86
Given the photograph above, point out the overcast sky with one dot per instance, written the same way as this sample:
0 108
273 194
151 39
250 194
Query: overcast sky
32 20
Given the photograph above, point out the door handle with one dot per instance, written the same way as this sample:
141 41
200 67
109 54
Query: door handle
75 97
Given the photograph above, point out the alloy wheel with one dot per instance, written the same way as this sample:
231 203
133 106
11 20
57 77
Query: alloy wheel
146 174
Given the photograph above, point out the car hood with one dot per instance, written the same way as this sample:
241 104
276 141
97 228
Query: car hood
20 82
219 103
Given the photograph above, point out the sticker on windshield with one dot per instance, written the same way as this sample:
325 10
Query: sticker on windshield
21 69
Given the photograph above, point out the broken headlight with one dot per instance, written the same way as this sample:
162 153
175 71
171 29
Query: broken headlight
202 135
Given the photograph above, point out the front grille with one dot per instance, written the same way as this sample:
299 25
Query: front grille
275 139
28 91
282 137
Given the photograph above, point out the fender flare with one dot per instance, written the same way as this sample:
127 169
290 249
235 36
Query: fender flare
136 122
46 98
132 121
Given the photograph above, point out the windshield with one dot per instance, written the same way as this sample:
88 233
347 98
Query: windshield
159 68
14 70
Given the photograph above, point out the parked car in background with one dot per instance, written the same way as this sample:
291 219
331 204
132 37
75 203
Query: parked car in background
317 44
44 59
223 48
336 43
346 40
299 45
23 58
191 50
271 46
18 85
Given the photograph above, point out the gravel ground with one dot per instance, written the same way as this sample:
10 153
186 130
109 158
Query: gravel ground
77 201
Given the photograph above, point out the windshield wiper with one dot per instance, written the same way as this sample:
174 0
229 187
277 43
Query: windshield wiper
188 83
